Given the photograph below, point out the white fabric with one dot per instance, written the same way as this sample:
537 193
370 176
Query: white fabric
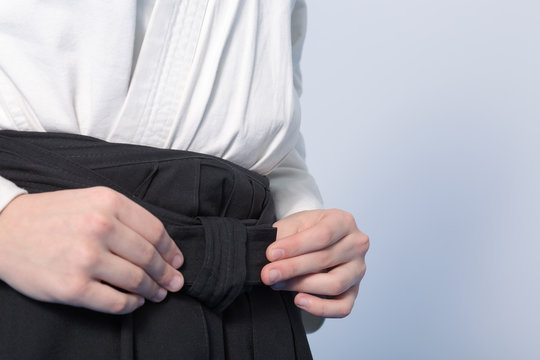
214 76
8 191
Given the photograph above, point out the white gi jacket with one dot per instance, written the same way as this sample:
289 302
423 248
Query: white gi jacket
219 77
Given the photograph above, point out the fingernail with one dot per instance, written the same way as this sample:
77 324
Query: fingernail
176 283
276 254
140 302
303 302
278 286
275 275
160 295
177 261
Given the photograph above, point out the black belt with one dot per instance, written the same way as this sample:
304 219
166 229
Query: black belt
220 216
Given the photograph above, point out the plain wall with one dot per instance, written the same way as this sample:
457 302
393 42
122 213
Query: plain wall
422 118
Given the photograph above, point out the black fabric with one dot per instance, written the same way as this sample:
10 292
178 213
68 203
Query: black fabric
220 216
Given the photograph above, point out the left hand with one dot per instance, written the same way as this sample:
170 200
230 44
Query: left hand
319 252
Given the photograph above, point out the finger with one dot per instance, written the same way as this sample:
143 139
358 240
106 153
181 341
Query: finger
338 253
153 230
144 223
126 276
103 298
329 229
336 307
130 246
296 223
334 283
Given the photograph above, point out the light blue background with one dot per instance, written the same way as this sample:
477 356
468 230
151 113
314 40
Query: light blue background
422 118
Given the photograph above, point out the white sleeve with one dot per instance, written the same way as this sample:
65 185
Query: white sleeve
293 187
8 191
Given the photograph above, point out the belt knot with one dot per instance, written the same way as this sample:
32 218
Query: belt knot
223 274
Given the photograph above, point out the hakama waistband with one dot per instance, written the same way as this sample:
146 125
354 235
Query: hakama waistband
219 214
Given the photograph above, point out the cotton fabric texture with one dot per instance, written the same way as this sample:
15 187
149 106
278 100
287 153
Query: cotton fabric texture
219 77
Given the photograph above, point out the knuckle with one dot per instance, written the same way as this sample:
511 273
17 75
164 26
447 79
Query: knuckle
163 276
348 218
137 279
343 310
292 248
73 290
325 235
292 270
324 310
363 269
361 243
98 224
106 197
338 287
147 255
88 256
156 230
335 308
325 259
359 272
365 240
120 305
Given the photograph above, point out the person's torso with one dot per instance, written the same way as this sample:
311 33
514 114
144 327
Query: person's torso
212 76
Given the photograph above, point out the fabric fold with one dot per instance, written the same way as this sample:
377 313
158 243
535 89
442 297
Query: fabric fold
224 249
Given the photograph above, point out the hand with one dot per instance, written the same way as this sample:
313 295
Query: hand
92 248
318 252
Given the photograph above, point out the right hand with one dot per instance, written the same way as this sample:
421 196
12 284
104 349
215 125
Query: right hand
92 248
